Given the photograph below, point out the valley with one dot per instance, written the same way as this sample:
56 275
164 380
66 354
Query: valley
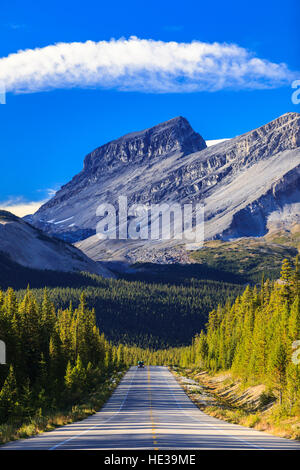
157 300
173 289
149 229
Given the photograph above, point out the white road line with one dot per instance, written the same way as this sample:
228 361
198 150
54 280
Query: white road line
98 424
208 424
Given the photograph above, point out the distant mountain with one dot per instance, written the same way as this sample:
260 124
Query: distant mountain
132 165
29 247
245 183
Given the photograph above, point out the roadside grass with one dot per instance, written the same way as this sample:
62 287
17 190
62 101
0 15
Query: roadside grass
39 423
266 416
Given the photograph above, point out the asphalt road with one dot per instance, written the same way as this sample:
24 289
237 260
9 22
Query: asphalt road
149 410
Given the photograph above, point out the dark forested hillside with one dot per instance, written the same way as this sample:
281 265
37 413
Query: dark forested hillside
16 276
147 314
151 308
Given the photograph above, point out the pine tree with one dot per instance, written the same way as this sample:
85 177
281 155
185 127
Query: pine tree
286 278
9 405
278 364
294 320
69 377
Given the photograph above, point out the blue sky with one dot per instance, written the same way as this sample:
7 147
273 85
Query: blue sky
47 131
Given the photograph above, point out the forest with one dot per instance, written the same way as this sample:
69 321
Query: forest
54 356
147 314
256 337
63 343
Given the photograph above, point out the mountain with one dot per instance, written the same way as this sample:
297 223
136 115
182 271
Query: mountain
29 247
130 165
245 183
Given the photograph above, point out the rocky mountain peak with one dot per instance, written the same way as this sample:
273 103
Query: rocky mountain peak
134 151
175 135
241 181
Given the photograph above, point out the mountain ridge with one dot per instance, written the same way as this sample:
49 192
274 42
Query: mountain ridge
174 135
240 180
29 247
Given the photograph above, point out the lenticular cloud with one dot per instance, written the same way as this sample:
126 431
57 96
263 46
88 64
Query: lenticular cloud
140 65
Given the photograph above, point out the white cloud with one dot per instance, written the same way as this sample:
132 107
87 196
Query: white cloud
20 207
140 65
49 192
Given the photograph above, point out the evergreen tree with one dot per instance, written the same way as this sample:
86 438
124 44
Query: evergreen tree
9 405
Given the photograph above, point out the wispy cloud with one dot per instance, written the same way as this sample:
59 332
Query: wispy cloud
140 65
21 206
49 192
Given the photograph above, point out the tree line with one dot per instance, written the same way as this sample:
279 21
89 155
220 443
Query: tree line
56 353
144 314
54 356
256 338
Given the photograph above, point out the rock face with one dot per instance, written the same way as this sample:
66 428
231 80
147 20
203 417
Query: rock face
30 247
132 165
241 182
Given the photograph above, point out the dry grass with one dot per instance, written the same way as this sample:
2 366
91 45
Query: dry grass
226 398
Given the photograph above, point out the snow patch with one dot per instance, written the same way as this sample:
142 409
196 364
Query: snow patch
209 143
65 220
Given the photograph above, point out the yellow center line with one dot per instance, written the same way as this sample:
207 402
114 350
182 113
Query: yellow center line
151 414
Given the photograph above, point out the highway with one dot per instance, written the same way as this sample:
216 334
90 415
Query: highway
150 410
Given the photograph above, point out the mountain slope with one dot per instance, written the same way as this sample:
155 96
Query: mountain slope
125 166
243 182
31 248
